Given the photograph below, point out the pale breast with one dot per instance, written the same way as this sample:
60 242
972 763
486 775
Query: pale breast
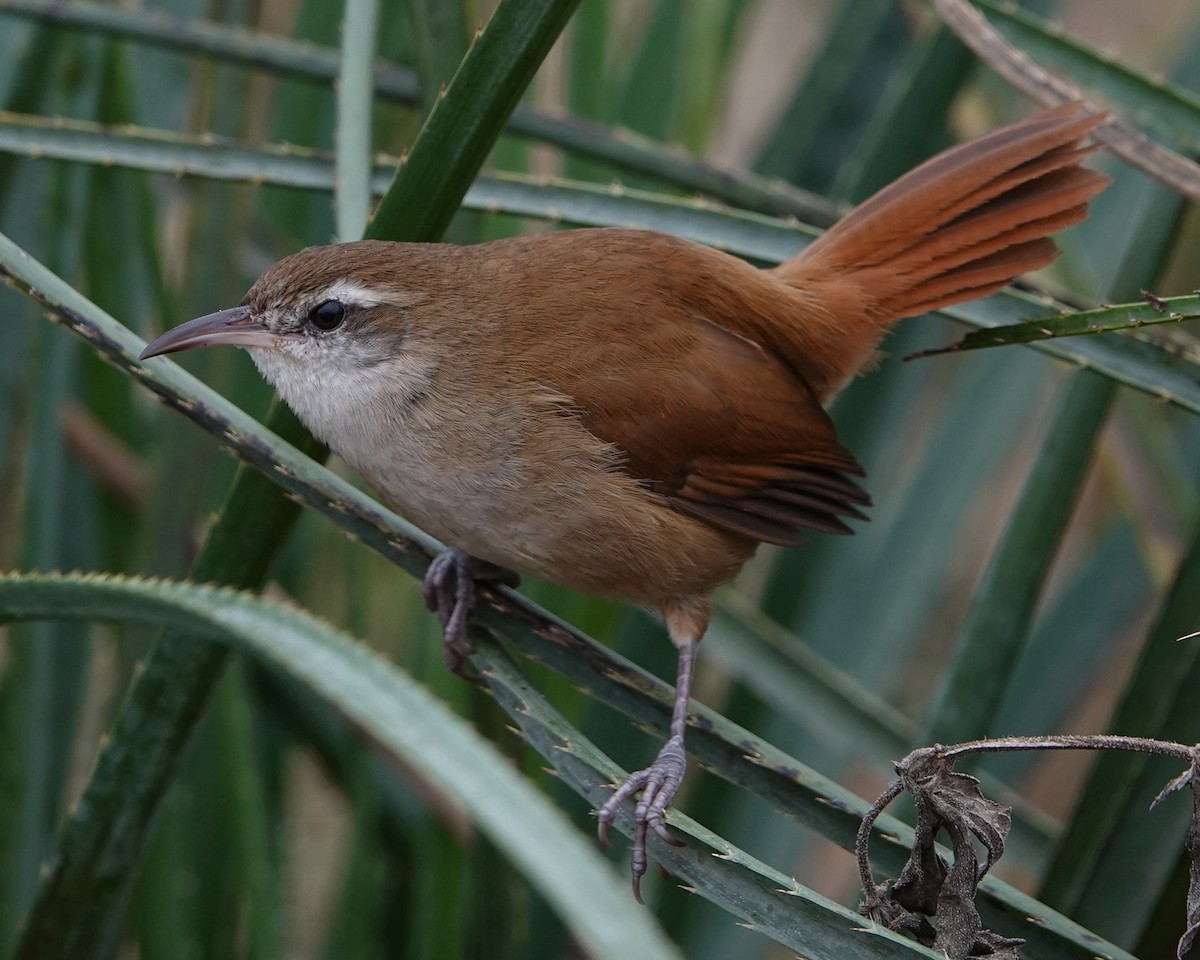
509 475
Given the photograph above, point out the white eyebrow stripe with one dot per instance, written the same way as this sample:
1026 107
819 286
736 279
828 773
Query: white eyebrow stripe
356 294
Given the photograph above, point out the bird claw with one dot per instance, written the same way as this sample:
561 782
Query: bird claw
658 784
449 591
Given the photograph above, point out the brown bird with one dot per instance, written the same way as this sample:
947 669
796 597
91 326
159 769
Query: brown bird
628 413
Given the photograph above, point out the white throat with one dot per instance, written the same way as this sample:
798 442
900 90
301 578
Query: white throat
349 404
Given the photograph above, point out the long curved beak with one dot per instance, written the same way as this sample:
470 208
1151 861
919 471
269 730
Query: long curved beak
233 327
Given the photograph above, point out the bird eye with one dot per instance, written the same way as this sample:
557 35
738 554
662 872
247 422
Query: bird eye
328 315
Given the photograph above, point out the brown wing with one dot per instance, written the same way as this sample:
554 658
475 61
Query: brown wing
730 435
718 425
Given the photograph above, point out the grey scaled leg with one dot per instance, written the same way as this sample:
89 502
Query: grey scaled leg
449 590
660 781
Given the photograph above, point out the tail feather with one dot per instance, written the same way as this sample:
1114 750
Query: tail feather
1066 157
989 272
961 225
1031 210
957 179
959 255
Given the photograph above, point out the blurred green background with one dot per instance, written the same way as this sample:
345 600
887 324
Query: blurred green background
1034 546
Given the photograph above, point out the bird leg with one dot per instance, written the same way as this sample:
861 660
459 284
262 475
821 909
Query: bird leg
449 591
659 782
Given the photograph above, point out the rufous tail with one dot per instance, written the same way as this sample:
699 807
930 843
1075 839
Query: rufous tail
961 225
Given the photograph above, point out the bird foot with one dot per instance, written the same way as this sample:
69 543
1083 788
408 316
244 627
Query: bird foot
449 591
658 784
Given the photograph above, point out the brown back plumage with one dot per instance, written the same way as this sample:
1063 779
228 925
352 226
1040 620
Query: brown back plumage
960 226
708 376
